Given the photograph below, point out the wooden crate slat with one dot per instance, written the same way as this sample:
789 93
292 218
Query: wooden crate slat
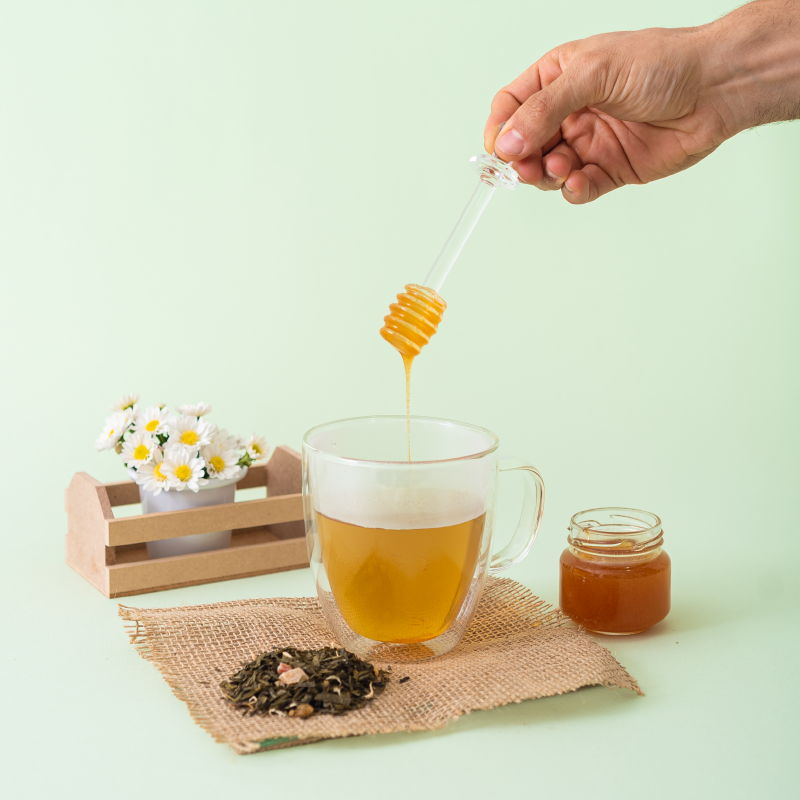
235 562
172 524
122 493
256 476
88 511
285 476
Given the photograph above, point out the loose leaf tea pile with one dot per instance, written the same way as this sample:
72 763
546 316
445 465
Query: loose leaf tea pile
299 683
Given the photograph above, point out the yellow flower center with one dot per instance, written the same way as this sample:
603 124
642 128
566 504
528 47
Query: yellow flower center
183 473
218 463
141 452
158 474
152 425
110 433
258 450
189 437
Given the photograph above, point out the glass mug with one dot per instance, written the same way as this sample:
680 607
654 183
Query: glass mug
400 550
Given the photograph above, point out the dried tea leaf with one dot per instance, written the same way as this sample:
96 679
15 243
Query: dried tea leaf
299 683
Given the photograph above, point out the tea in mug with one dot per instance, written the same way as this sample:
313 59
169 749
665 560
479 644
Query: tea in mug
400 586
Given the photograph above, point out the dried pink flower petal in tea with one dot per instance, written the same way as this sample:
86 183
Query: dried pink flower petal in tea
293 676
299 683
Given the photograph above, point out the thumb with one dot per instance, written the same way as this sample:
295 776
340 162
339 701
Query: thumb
538 119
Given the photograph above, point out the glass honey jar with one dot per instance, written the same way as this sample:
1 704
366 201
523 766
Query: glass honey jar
615 574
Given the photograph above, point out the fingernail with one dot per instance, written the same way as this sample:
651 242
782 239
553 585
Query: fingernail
513 165
553 177
511 142
570 189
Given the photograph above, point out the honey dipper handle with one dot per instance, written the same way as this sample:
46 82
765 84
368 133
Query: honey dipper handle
458 238
492 173
529 520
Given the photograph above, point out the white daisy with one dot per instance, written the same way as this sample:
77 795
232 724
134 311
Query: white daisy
198 410
257 447
190 432
183 469
221 462
154 420
115 427
151 477
127 401
138 449
221 437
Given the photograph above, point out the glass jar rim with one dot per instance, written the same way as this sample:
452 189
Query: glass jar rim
495 441
611 528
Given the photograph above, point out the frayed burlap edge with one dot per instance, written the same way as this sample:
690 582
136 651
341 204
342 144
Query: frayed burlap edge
517 648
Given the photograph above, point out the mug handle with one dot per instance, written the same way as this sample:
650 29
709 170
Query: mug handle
529 520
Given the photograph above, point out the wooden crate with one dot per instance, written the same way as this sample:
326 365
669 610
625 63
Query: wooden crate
268 534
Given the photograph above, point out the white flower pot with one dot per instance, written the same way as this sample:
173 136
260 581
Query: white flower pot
212 494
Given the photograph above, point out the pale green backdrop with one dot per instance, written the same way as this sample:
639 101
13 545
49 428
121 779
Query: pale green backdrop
217 201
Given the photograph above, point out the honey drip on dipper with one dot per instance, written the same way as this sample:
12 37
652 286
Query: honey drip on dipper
416 315
408 327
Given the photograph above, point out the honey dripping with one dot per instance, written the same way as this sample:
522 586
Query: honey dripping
408 327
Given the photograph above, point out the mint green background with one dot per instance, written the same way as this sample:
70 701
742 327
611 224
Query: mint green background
218 201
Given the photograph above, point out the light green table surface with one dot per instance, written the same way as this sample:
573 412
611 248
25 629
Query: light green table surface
218 201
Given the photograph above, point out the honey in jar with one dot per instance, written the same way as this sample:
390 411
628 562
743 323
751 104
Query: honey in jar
615 574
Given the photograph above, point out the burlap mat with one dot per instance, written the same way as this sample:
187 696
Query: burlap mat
517 648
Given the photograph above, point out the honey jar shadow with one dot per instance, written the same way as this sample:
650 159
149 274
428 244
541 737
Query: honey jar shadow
683 618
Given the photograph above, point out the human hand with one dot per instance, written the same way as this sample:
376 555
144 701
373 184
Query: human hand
632 107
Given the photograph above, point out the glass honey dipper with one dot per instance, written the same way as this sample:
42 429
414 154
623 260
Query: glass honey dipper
416 315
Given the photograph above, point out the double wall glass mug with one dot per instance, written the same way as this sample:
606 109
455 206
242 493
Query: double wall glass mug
400 550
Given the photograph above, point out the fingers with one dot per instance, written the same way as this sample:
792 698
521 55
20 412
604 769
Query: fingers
532 109
511 97
530 170
557 167
540 116
587 184
503 107
554 169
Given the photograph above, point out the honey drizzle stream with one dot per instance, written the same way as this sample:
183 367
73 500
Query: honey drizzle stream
408 327
407 362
